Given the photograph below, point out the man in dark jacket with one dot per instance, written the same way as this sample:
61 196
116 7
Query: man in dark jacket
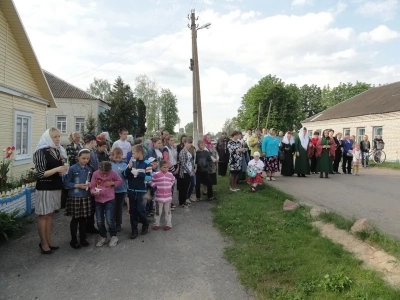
202 163
223 154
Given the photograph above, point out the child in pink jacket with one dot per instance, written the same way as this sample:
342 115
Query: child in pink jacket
103 182
163 181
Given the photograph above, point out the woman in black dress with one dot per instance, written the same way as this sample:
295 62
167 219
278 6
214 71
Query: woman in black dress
287 147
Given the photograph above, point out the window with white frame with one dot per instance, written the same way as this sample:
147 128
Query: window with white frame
61 123
346 131
79 124
377 130
310 133
360 134
23 135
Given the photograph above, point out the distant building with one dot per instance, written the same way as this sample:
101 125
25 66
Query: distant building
74 105
373 112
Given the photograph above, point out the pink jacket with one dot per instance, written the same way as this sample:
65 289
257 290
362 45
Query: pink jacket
106 193
163 182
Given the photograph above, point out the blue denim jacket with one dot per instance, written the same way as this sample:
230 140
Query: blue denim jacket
76 175
119 168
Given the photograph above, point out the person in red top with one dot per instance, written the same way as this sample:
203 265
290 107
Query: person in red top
314 141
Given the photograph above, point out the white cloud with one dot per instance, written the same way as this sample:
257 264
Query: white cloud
386 10
380 34
301 2
71 37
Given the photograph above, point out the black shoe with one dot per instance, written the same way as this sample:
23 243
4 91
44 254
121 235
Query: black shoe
45 251
51 247
75 244
134 234
349 173
93 230
84 243
326 175
303 175
145 229
321 175
298 175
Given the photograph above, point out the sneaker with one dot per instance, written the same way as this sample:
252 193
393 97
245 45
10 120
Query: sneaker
173 205
101 242
237 190
155 227
192 199
167 228
113 242
273 178
232 190
185 205
268 178
188 201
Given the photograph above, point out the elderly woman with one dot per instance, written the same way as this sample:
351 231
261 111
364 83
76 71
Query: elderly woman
223 154
304 150
270 149
325 153
212 170
287 147
235 159
49 163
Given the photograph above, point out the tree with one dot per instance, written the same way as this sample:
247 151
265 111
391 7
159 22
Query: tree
169 110
141 109
284 101
342 92
90 124
146 90
189 129
100 88
311 102
123 111
230 125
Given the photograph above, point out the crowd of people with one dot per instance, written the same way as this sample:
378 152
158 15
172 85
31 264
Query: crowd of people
265 151
94 179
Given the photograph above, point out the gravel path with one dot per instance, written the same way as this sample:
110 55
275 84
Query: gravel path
373 194
184 263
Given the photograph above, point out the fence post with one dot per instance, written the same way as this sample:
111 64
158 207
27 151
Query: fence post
28 201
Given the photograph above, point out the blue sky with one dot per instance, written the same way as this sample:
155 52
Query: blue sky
301 41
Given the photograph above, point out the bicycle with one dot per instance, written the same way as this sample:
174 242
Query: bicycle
378 155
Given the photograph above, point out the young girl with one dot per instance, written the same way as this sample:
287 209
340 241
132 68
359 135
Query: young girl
356 158
257 164
103 185
163 181
78 205
119 167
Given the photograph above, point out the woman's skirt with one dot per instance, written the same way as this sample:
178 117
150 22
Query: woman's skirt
257 179
78 207
213 177
272 164
47 201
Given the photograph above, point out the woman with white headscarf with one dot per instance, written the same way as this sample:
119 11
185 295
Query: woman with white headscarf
49 163
302 147
287 148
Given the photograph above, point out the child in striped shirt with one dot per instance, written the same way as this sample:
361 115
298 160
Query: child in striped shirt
163 181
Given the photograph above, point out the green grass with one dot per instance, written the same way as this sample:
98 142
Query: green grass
388 165
336 219
11 225
280 255
376 237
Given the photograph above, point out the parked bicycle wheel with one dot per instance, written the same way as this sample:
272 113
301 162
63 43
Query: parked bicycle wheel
379 156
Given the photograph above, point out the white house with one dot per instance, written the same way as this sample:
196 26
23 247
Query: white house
373 112
74 105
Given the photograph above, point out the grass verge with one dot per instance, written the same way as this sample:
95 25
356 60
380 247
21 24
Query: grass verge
280 255
11 225
388 165
376 237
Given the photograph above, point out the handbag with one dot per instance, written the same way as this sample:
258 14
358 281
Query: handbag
251 172
281 155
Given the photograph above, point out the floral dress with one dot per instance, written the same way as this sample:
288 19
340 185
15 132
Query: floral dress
235 159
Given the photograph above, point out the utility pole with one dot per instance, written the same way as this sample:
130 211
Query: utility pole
193 28
269 111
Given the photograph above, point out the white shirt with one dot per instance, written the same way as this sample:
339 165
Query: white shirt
124 145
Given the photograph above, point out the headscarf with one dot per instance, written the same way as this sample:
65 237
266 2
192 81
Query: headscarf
47 142
206 142
285 139
304 138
